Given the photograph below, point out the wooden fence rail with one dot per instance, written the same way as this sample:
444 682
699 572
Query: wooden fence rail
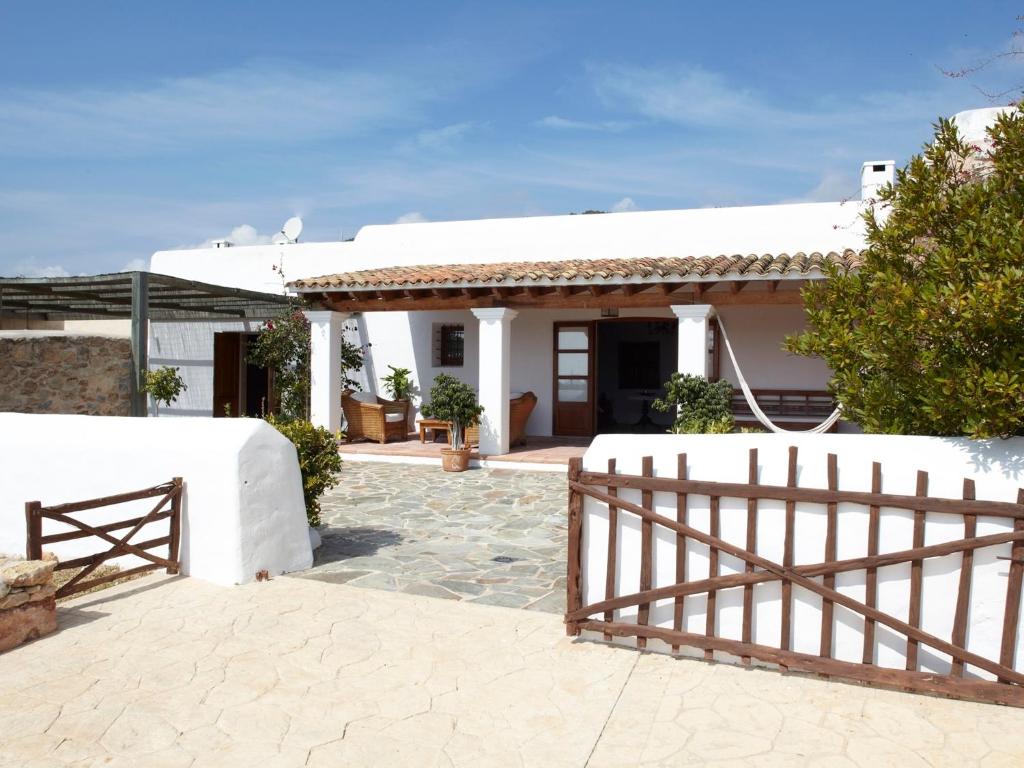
818 578
167 507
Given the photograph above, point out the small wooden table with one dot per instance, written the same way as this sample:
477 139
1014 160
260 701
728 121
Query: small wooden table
435 425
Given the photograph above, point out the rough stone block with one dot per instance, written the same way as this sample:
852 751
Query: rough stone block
27 622
27 573
14 599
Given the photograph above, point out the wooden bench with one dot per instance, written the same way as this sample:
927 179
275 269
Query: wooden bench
433 425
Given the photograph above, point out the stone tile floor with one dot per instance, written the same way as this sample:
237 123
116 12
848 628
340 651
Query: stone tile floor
293 672
491 536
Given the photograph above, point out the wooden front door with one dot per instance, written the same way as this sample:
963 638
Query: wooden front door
227 363
573 395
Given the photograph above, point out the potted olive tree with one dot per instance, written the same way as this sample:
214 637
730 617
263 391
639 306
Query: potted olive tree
455 402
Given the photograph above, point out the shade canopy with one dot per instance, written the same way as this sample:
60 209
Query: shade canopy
136 296
110 296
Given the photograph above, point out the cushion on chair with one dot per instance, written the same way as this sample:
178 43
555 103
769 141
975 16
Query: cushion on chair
365 397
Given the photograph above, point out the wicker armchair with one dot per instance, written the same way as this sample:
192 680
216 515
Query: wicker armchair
373 418
519 412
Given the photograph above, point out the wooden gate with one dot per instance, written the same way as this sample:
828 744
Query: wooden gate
1008 686
168 506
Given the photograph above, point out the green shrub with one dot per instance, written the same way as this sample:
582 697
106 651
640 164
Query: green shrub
453 401
703 406
164 384
319 461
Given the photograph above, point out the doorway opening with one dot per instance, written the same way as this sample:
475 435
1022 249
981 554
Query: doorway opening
635 357
240 388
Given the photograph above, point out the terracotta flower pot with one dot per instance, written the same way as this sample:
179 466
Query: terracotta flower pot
455 461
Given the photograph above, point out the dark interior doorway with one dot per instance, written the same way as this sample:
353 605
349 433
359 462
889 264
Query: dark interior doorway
240 388
635 357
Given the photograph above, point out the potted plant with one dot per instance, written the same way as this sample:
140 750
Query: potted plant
397 384
455 402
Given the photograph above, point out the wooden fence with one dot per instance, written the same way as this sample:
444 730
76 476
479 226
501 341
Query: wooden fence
168 506
819 577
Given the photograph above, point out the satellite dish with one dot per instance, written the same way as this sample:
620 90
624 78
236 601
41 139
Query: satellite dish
292 229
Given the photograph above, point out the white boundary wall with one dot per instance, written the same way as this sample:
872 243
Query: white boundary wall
996 466
242 507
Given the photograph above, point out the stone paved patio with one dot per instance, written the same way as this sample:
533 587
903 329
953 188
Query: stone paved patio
293 672
491 536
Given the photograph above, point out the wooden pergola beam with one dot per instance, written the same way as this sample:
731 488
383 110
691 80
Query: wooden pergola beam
560 297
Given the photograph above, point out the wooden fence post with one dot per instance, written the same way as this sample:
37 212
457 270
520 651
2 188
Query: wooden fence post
574 598
33 531
173 546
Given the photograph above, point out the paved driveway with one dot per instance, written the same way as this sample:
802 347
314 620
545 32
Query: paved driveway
292 672
491 536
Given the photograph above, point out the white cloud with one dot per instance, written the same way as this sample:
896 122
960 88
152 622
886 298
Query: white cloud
678 93
243 234
412 217
834 186
439 138
31 269
136 265
564 123
255 102
625 204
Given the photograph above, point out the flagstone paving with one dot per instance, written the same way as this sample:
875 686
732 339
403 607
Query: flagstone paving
172 671
491 536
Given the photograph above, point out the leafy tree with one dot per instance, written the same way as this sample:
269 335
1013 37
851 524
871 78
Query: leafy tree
927 336
282 345
701 406
455 402
163 384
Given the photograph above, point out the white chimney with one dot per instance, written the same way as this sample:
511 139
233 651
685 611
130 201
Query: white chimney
875 174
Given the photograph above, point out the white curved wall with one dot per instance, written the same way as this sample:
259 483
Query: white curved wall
243 508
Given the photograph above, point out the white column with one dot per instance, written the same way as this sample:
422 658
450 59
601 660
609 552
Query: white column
694 338
325 367
495 362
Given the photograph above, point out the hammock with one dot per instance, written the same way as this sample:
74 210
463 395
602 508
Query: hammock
825 426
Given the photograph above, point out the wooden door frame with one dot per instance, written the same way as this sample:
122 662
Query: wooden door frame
591 326
594 360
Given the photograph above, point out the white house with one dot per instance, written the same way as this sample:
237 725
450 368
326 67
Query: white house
590 312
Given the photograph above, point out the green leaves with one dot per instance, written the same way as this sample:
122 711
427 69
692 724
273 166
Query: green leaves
703 406
398 383
453 401
164 384
319 461
928 336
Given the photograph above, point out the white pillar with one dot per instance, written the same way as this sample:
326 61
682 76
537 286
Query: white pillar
694 338
325 329
495 362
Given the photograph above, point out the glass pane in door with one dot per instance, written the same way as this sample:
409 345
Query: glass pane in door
573 363
574 338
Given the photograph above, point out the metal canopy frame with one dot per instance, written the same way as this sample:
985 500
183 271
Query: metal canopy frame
138 296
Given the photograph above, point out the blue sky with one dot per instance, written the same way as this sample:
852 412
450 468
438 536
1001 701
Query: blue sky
128 127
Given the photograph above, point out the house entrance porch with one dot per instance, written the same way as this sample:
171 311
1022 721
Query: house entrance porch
594 340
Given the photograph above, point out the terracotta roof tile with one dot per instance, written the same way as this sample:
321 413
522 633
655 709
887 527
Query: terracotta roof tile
673 268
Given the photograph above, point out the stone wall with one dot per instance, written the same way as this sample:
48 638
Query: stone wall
27 606
44 372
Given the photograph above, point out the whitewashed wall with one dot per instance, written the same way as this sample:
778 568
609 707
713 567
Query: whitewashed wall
243 509
997 468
